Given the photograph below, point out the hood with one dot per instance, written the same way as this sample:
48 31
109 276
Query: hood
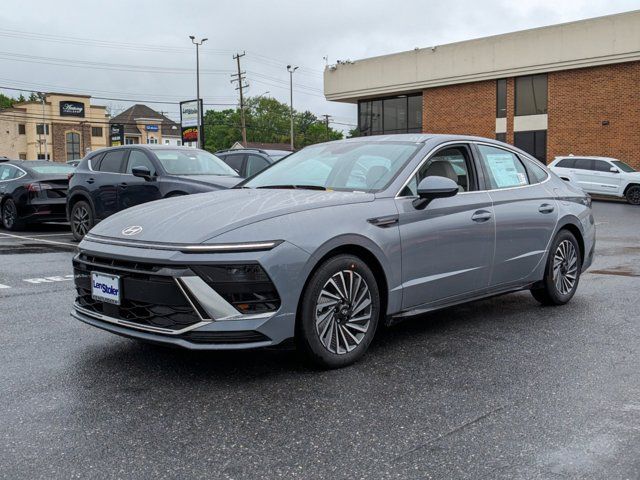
197 218
224 181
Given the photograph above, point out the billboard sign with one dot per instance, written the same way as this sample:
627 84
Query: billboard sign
189 121
71 109
116 135
151 128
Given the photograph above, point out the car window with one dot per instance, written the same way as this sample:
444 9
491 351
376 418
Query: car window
537 174
139 159
191 161
452 162
601 166
623 166
7 172
53 169
566 163
504 169
234 160
583 164
113 161
255 164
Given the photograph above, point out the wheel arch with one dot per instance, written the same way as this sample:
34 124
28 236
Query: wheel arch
631 184
573 225
77 197
360 250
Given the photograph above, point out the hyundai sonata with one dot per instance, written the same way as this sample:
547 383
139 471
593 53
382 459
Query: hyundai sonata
333 241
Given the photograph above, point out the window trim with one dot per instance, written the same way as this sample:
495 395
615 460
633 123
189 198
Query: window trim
435 149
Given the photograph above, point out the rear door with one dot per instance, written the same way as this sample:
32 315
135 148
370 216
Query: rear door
525 214
235 161
584 173
104 189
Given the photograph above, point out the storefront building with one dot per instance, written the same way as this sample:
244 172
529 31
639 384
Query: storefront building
566 89
60 127
142 124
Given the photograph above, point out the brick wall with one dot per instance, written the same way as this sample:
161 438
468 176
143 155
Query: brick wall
464 109
58 137
580 100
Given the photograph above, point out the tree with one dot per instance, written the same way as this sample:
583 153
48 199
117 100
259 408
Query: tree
5 101
268 121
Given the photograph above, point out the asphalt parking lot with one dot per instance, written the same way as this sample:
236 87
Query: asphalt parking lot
501 388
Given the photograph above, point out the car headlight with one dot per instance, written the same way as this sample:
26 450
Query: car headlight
245 286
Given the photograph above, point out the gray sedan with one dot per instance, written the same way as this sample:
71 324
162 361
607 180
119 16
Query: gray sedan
331 242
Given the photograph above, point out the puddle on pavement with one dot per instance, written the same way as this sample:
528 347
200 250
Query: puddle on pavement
619 271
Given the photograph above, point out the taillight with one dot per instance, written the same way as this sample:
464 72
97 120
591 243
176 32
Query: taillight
38 187
69 175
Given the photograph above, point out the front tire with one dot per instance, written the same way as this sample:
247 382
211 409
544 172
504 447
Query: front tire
562 272
633 195
81 219
10 219
339 312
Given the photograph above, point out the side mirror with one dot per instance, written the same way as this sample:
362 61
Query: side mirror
142 172
434 187
614 170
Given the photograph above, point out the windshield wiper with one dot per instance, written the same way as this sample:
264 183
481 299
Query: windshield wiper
295 187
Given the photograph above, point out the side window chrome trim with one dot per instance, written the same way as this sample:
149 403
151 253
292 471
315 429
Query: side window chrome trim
24 173
466 142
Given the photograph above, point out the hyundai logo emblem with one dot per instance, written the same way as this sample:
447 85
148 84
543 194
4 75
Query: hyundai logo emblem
132 230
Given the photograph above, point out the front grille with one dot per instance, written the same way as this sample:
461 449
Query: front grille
146 299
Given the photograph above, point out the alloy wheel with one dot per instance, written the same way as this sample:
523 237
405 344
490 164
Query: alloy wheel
633 196
565 267
80 220
343 312
9 214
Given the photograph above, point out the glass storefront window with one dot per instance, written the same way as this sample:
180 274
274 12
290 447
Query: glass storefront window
402 114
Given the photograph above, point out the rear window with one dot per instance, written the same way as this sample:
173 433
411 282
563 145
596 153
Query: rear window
566 163
54 169
537 172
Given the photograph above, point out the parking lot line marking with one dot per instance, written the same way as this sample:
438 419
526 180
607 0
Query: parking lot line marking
38 235
38 239
4 286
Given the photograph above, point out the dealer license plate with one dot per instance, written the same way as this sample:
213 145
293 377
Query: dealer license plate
105 288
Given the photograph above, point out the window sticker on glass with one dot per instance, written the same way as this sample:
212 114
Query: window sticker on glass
504 170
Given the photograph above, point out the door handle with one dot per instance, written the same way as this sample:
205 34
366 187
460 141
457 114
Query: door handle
481 216
546 208
91 180
123 185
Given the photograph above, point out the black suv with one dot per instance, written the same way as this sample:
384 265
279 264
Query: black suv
115 178
249 161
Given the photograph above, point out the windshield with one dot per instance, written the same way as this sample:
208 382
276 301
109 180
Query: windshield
193 162
61 169
356 166
623 166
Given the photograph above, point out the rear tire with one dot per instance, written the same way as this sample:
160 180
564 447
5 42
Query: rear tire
633 195
562 273
339 312
10 219
81 219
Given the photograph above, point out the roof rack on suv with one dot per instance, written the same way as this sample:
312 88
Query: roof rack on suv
225 150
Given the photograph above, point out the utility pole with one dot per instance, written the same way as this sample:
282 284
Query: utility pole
44 126
326 124
197 44
240 78
291 69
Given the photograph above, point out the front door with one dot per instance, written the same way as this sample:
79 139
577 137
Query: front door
134 190
447 248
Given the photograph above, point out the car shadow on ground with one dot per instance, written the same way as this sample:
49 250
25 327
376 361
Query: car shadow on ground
429 334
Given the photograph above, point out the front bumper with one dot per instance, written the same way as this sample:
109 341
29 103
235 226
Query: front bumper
165 302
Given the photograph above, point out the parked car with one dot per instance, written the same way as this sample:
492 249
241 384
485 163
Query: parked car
334 240
248 161
115 178
32 191
601 176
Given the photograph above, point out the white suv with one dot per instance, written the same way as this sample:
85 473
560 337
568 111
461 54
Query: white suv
600 176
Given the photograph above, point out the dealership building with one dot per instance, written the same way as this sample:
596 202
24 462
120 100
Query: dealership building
572 88
58 127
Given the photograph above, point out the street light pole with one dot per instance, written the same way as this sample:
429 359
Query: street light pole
197 44
291 69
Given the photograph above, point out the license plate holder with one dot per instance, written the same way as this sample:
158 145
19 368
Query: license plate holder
105 287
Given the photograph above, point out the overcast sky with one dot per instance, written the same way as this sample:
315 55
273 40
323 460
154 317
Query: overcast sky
141 49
